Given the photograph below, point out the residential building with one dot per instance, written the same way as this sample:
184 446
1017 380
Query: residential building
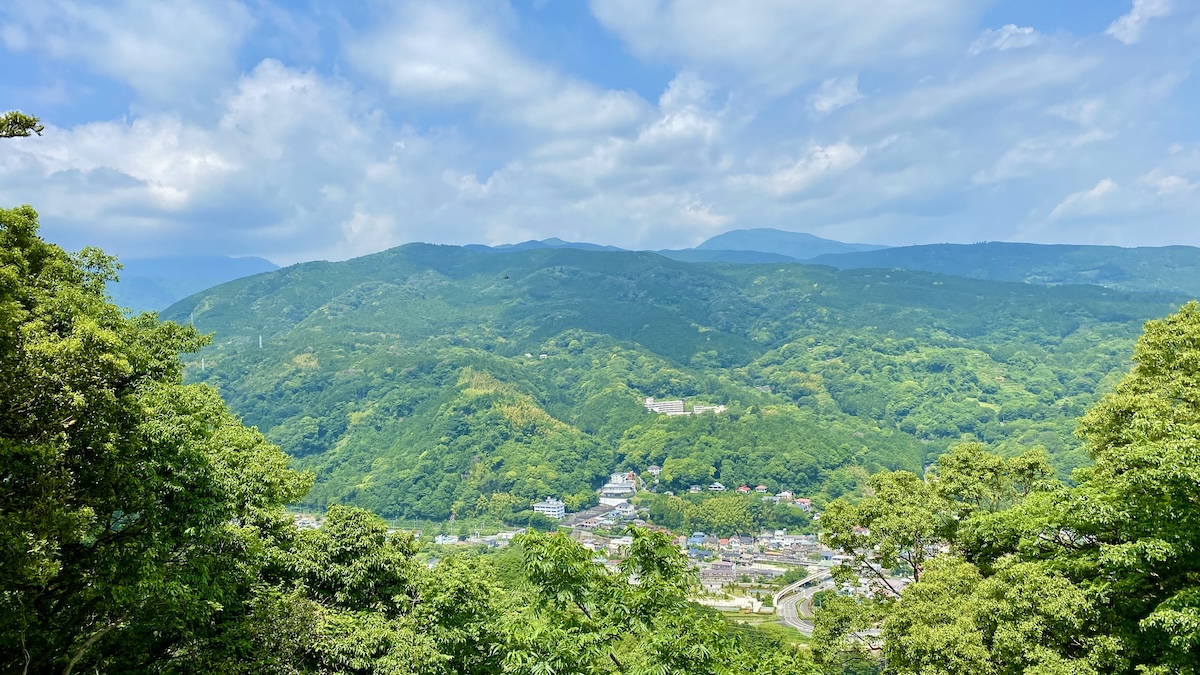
761 489
743 490
714 409
654 470
551 508
619 485
716 487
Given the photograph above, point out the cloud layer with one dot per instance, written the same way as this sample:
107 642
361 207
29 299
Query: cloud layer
248 128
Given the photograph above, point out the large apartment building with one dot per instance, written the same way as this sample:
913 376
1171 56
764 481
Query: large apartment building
551 508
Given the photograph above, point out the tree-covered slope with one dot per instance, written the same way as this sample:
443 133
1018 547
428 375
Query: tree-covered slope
1167 268
413 381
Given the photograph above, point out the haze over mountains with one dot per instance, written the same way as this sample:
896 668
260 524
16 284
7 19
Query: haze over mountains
148 284
1174 269
156 283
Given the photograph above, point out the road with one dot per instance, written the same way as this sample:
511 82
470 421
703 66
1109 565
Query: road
788 608
792 600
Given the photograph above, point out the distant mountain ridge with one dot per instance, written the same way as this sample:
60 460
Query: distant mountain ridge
759 245
150 284
552 242
796 245
1173 269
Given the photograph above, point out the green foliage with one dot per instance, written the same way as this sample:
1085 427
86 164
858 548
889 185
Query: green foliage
122 486
1100 577
400 379
634 619
724 515
15 124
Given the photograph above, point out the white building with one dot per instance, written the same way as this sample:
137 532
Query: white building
619 485
665 407
714 409
551 508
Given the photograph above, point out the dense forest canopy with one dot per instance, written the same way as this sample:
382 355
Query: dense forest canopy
422 381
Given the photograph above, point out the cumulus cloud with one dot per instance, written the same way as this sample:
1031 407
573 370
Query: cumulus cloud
1128 29
834 93
1007 37
451 122
168 51
454 52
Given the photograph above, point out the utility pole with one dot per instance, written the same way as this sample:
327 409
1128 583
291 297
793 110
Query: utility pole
260 342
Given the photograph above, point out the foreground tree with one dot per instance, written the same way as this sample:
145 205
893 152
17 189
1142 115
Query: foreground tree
14 124
1038 577
584 618
131 506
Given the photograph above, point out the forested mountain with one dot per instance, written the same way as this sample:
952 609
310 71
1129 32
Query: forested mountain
151 284
413 381
1167 268
797 245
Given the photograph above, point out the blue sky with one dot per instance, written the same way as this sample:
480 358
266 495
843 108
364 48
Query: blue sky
310 130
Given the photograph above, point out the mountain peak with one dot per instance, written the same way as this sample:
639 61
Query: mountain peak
798 245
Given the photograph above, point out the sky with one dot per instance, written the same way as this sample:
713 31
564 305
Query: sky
306 130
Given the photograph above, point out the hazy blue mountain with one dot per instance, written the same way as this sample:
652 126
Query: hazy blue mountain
552 242
796 245
1167 268
704 255
149 284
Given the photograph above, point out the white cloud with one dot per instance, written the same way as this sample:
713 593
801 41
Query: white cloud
168 51
834 93
446 127
686 90
1128 28
819 162
1009 36
1086 202
1164 185
454 53
781 44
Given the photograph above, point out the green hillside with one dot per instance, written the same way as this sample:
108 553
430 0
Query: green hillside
412 381
1167 268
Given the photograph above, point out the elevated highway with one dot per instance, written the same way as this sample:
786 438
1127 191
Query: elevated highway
790 600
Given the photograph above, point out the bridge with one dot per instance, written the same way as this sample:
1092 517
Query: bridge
786 601
789 600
